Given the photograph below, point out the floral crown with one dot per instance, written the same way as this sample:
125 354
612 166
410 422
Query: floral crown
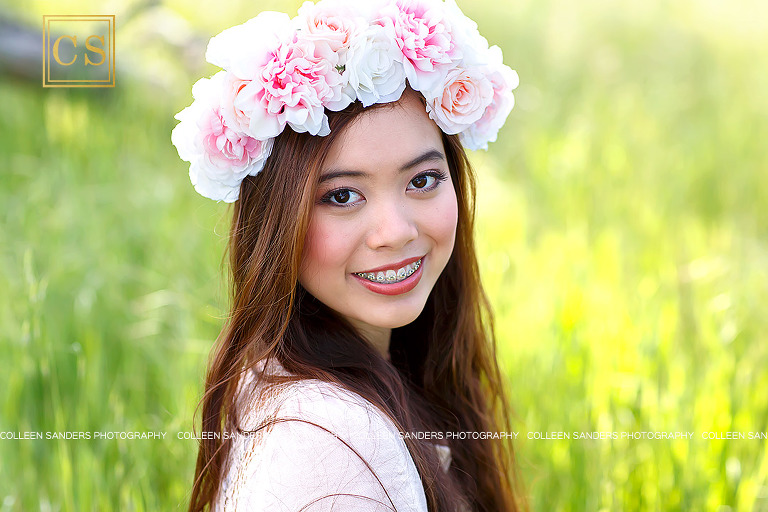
279 71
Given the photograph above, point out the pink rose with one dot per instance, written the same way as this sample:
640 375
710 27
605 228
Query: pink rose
460 100
504 80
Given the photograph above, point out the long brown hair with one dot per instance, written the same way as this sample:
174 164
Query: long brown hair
444 376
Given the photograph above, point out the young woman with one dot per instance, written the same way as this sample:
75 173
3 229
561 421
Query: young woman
357 368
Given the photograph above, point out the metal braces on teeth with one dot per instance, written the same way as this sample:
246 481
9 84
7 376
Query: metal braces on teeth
389 276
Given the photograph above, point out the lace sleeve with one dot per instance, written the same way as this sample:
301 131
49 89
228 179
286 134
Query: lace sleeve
329 451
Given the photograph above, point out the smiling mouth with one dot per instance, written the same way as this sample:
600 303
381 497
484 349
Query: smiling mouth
391 276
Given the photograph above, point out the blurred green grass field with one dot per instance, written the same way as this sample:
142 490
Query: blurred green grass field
623 236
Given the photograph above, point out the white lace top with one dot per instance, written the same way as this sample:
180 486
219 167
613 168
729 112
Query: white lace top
296 465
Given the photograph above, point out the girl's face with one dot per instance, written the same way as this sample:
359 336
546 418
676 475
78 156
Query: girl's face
384 220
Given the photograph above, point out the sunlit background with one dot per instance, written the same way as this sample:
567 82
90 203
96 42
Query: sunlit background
623 235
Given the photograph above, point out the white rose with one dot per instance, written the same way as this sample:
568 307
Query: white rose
374 67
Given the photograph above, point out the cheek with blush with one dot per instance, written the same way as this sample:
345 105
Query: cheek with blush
326 250
314 255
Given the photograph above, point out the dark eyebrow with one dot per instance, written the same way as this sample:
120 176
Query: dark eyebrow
432 154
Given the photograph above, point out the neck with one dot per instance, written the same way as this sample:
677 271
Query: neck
377 336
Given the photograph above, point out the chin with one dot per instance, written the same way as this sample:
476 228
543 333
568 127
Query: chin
395 320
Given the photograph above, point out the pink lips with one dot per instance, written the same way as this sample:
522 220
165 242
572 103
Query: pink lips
398 288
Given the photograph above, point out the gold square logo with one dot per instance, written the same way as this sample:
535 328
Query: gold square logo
78 50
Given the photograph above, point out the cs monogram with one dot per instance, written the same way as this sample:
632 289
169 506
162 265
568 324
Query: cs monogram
78 51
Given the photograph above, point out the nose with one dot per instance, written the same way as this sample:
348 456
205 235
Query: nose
392 225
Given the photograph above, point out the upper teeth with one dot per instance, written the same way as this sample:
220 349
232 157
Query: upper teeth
391 276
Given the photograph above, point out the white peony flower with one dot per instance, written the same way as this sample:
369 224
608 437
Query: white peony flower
244 49
474 47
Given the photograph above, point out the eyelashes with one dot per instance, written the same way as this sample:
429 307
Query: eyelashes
343 194
439 176
338 194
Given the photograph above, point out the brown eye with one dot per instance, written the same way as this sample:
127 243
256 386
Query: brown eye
428 181
341 197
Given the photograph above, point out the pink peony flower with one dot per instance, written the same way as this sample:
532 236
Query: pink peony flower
460 100
292 87
224 147
220 156
423 34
